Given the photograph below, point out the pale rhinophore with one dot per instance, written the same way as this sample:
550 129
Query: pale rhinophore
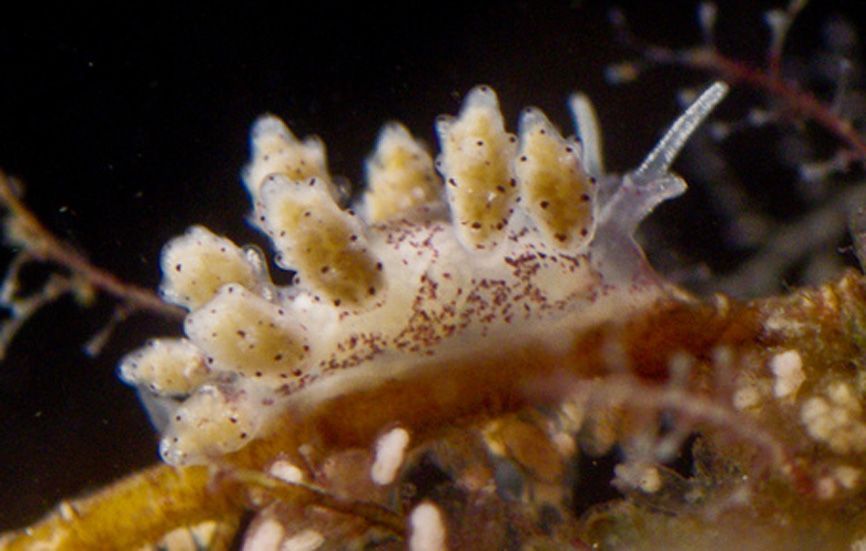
501 237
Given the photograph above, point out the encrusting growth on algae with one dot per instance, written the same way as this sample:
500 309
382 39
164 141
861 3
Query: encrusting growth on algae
453 344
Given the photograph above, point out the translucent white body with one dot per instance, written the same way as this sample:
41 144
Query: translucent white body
522 238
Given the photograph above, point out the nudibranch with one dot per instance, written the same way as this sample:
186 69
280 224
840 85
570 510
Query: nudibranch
499 241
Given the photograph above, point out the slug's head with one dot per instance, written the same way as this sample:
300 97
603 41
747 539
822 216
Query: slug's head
629 200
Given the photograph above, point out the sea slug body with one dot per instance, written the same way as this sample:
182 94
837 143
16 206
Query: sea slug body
502 238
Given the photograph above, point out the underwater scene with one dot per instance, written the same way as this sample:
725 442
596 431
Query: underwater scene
562 275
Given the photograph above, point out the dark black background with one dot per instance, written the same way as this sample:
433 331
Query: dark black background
128 127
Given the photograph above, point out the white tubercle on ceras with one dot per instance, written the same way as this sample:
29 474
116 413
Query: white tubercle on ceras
535 243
